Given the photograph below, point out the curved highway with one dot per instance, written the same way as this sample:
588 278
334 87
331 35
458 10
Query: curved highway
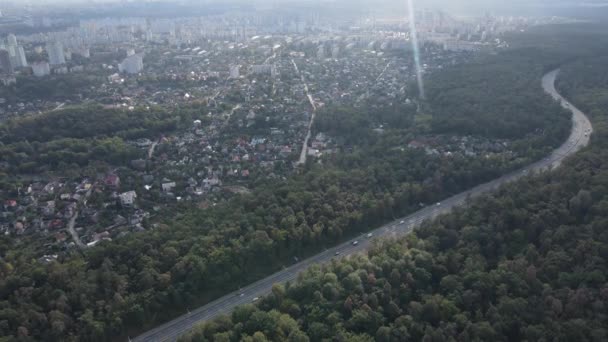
579 138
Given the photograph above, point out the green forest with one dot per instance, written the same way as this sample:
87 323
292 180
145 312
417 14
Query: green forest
53 88
71 139
527 263
194 256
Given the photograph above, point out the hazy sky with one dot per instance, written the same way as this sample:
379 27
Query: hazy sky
454 6
449 3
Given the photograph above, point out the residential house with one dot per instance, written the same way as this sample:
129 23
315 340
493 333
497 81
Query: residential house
168 186
112 181
127 199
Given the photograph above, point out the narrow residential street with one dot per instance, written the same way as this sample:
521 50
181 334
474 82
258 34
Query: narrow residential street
304 153
74 217
151 149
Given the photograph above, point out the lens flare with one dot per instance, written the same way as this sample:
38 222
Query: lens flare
415 47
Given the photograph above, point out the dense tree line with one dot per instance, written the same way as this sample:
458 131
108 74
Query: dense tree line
197 255
500 100
580 82
492 96
354 125
52 88
526 263
72 138
89 122
60 154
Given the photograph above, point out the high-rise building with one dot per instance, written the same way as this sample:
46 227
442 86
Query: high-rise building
7 80
56 55
82 51
5 62
16 52
11 39
335 51
321 52
15 55
41 69
260 69
132 64
20 58
85 52
235 71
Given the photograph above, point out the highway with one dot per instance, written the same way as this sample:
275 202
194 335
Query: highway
579 138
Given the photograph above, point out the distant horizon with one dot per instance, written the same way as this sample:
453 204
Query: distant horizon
398 7
375 4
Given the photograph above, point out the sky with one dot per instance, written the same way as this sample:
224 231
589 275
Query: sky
449 3
463 7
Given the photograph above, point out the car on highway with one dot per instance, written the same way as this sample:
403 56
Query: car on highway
255 299
337 253
370 235
438 204
402 222
355 243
